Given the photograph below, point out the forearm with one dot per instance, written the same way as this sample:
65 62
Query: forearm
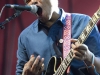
94 61
97 64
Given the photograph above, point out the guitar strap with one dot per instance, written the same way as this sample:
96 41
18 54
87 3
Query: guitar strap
67 37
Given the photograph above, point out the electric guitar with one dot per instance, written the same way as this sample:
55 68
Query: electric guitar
57 66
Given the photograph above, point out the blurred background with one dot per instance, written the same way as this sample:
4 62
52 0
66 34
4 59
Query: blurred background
9 35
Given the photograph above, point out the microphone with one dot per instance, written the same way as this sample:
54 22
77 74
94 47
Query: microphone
32 8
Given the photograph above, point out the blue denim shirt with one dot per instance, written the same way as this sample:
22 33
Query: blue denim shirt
38 40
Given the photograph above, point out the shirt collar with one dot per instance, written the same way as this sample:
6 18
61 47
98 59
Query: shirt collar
62 17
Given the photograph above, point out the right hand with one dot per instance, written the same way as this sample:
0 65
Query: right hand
33 66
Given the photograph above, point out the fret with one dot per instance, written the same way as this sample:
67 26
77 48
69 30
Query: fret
66 60
94 18
70 54
82 36
80 40
91 23
90 26
87 29
60 71
85 32
97 15
64 66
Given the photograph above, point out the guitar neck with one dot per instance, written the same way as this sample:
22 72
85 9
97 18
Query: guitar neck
84 35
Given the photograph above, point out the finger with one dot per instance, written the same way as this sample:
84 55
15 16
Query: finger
78 58
41 70
80 51
42 67
28 65
73 46
79 46
35 64
75 43
31 56
78 55
41 63
83 47
73 40
31 61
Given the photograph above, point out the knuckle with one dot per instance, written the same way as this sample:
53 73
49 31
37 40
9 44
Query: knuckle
26 69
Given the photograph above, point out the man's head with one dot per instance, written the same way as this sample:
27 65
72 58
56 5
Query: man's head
47 7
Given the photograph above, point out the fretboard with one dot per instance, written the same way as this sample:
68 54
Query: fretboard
84 35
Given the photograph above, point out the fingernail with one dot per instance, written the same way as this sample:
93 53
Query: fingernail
31 56
42 59
38 56
42 65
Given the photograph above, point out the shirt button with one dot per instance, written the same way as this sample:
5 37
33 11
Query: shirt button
61 41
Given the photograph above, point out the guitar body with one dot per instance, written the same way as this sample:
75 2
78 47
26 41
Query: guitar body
55 62
53 65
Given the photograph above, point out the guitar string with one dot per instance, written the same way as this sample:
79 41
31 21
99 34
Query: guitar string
61 67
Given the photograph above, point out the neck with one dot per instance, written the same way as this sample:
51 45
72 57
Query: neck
54 18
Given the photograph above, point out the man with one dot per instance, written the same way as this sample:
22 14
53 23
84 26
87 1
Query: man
36 44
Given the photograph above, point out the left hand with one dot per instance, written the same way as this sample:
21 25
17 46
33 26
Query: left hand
34 66
81 52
